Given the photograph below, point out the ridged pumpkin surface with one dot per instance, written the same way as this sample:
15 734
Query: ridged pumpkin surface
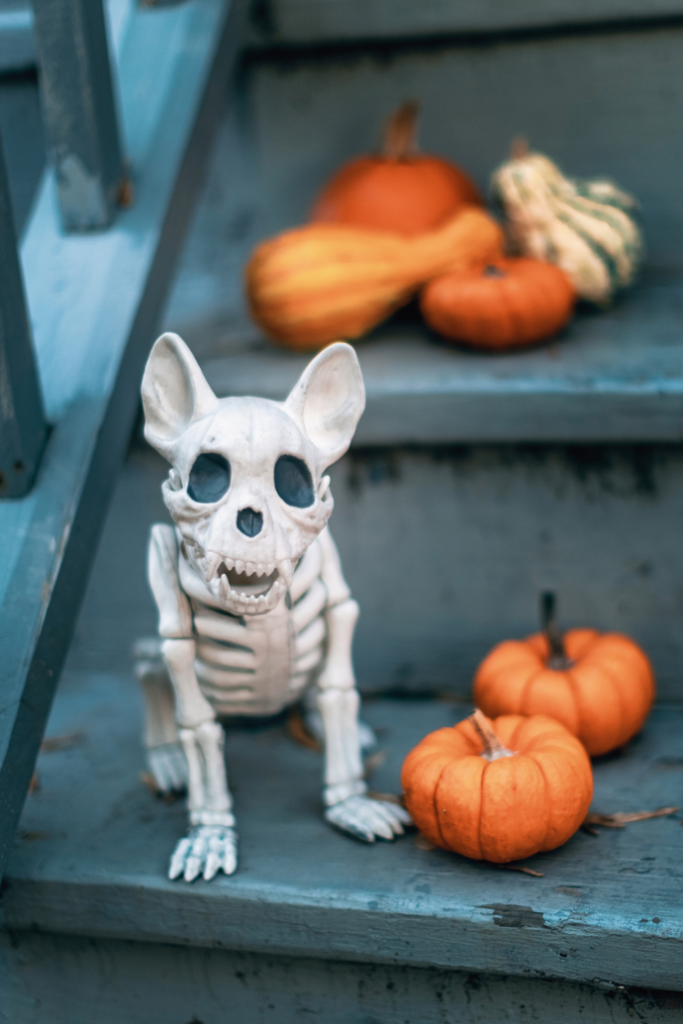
409 196
505 809
505 305
399 189
319 283
603 698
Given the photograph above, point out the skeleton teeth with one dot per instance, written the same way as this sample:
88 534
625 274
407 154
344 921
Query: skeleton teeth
260 569
249 568
239 565
224 587
286 571
212 567
229 564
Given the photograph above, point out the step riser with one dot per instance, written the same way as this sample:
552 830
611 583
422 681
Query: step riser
70 980
447 551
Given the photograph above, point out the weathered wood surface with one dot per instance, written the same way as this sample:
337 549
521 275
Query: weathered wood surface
80 108
71 980
314 21
94 302
93 846
23 139
17 41
23 429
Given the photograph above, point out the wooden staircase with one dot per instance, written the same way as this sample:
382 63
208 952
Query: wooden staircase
474 484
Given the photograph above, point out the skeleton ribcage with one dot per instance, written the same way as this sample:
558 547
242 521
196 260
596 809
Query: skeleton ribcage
257 665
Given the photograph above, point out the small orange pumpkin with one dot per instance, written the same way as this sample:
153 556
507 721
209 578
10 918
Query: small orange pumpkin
504 305
399 190
500 790
599 685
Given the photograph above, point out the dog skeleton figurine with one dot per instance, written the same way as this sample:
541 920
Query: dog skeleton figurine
254 612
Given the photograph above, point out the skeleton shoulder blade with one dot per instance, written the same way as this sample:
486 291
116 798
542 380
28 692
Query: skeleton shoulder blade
175 614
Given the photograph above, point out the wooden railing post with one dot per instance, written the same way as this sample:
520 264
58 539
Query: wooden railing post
22 421
80 110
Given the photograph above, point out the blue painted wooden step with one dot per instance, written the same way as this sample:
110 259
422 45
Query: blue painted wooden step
93 845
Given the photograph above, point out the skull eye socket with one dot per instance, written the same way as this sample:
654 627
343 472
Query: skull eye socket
293 482
209 478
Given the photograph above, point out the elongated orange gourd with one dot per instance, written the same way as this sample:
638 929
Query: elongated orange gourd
599 685
500 790
315 284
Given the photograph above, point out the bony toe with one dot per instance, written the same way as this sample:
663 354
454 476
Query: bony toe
212 866
192 868
383 829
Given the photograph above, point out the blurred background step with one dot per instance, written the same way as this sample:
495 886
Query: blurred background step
611 376
314 22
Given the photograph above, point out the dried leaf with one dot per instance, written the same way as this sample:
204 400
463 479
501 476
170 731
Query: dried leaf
168 797
589 830
34 784
373 762
662 812
423 843
605 820
52 743
33 837
523 869
148 779
390 798
296 730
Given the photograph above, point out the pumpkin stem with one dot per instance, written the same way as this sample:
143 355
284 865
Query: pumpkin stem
492 271
519 148
493 748
558 658
399 142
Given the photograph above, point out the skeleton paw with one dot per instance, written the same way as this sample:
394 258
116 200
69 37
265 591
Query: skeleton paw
168 766
368 819
207 850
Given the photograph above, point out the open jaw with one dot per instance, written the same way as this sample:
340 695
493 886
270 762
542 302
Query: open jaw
250 587
249 583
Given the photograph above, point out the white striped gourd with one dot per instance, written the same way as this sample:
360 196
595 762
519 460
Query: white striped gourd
588 228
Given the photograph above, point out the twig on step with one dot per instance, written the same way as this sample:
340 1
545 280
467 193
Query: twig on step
622 818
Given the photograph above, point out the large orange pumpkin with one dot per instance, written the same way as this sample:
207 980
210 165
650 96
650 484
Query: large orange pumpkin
398 190
599 685
500 790
507 304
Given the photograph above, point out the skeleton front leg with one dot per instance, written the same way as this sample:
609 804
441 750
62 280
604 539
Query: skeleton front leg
347 805
211 844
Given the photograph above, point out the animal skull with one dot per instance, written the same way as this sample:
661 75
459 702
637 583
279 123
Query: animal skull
246 487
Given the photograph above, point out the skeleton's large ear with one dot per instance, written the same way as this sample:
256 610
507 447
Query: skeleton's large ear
174 392
328 400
